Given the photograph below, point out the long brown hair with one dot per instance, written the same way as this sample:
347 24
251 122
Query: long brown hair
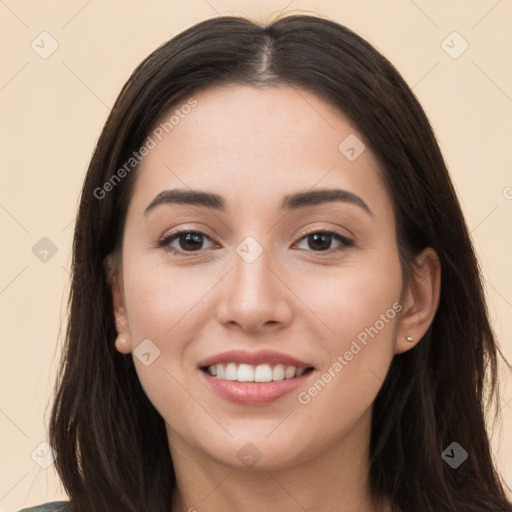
113 453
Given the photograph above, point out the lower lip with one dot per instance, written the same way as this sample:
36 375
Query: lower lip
254 393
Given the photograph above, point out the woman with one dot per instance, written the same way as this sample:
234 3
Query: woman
275 302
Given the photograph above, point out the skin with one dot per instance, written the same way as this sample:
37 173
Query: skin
253 146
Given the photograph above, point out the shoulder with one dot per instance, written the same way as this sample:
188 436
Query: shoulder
54 506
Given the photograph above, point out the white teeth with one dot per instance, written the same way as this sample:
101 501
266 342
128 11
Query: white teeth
263 373
248 373
278 372
289 373
231 372
245 373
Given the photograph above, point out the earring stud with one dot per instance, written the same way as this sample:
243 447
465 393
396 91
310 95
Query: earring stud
122 344
409 338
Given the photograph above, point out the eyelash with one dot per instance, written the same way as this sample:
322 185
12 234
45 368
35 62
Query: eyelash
166 241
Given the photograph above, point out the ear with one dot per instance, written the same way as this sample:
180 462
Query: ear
420 301
123 340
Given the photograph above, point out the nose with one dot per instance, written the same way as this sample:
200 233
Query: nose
256 296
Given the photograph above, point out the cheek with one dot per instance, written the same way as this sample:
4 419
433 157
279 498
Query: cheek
362 309
348 300
160 300
165 305
160 304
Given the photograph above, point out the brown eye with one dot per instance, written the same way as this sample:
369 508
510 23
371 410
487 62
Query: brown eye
187 241
320 241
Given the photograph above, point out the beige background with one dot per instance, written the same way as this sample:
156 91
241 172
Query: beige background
52 111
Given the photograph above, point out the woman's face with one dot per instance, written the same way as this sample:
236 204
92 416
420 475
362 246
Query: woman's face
260 291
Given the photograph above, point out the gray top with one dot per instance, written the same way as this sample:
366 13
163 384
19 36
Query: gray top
54 506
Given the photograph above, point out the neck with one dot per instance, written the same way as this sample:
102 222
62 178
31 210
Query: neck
336 479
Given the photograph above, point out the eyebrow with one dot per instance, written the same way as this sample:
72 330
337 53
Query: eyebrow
290 202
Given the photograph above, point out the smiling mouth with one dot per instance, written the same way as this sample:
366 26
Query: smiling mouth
255 373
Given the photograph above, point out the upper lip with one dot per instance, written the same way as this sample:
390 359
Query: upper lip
254 358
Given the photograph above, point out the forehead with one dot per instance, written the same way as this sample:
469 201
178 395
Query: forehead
256 145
